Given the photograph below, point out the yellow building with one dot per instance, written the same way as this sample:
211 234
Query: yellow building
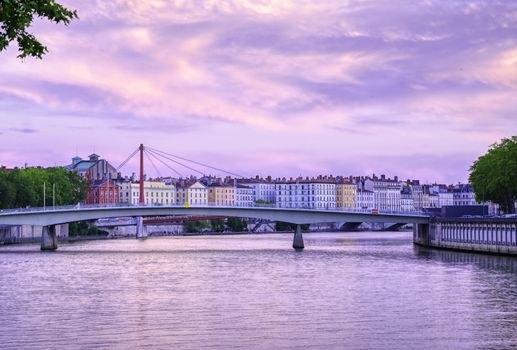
223 195
346 193
192 193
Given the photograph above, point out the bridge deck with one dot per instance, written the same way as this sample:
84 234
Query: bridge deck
61 215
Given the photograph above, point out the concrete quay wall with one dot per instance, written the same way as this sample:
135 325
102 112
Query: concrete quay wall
27 233
487 235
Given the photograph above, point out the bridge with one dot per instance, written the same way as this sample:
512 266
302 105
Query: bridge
49 218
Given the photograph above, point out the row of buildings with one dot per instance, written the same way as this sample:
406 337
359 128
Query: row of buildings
107 186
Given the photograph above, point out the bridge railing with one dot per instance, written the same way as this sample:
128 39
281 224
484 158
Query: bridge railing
80 206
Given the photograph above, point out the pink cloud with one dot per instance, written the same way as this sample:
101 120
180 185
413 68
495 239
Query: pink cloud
300 86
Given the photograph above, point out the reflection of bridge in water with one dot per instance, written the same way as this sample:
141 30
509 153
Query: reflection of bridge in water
49 218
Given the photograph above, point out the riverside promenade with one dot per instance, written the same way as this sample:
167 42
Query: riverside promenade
487 235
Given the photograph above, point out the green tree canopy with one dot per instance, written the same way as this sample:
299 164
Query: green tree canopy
494 175
287 226
24 187
16 16
217 225
236 225
196 226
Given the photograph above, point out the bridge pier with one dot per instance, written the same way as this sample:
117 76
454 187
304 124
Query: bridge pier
298 238
49 238
141 232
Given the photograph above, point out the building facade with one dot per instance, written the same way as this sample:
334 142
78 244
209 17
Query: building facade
192 193
406 200
262 191
155 193
244 196
221 194
346 194
464 195
103 193
93 169
365 200
310 194
387 192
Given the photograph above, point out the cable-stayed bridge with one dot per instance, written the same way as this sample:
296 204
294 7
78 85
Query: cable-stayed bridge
50 217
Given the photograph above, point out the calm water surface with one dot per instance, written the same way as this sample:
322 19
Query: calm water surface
345 291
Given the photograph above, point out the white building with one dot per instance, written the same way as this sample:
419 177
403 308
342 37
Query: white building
464 195
193 193
244 196
155 192
431 200
386 192
417 193
445 198
406 200
263 191
365 199
314 194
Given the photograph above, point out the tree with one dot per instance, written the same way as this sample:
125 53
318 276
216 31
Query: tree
494 175
287 226
217 225
16 16
196 226
7 190
236 224
24 187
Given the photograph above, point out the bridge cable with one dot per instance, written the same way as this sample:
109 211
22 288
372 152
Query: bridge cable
193 161
127 159
167 165
152 163
175 161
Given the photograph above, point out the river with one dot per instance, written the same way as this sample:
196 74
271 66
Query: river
363 290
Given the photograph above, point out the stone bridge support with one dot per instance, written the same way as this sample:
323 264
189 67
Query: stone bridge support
141 231
298 238
49 238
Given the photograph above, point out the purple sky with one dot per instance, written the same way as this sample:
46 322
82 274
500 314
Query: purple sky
411 88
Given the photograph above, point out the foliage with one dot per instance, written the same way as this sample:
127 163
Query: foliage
217 225
81 228
16 17
24 187
494 175
196 226
287 226
93 231
236 225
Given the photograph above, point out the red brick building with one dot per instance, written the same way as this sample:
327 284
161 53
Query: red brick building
103 192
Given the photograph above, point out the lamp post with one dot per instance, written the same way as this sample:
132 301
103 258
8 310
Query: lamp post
44 194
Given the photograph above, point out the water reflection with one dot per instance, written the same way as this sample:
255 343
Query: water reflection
494 263
346 290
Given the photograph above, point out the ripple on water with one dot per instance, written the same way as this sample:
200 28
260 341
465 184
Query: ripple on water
346 290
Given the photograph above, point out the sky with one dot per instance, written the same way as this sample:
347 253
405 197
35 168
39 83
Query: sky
417 89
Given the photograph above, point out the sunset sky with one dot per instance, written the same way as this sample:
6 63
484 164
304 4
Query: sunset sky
416 89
